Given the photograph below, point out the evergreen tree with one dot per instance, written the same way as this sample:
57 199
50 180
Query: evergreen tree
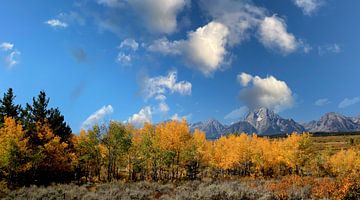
7 106
39 112
58 124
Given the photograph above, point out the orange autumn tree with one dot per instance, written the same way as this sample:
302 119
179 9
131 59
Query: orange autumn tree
52 159
173 139
14 151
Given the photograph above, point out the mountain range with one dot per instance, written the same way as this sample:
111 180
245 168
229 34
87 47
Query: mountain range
263 121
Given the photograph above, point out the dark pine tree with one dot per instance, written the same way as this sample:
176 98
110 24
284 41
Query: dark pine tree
8 107
39 112
58 124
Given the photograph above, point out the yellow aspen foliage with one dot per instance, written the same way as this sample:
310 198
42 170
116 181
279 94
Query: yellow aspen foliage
173 135
203 146
13 148
345 162
89 152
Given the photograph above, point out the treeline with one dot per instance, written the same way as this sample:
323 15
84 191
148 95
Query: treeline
37 147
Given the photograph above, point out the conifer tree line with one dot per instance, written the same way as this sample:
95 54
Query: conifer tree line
37 146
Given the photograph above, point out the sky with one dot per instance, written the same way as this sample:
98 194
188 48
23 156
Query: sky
140 61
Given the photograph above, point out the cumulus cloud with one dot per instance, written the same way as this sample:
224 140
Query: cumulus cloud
55 23
273 34
237 113
322 102
349 102
233 21
97 116
6 46
130 44
161 85
166 47
205 48
159 15
244 78
240 16
308 6
266 92
144 115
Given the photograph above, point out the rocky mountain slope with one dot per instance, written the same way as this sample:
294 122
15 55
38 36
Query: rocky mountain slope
334 122
265 122
211 127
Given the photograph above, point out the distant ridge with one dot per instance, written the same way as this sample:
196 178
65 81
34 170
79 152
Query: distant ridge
263 121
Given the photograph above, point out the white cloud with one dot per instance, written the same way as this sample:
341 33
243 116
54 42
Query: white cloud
97 116
267 92
161 85
11 56
244 78
273 35
166 47
233 21
160 97
237 113
308 6
163 107
144 115
329 48
349 102
12 59
6 46
129 43
123 58
159 15
56 23
205 48
322 102
240 16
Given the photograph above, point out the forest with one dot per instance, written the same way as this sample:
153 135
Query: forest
37 147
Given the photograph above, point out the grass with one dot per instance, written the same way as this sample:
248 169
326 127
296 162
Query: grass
337 142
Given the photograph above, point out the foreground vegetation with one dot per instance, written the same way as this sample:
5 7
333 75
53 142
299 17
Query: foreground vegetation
38 148
288 187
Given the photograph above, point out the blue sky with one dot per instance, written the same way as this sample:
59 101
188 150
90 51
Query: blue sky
153 60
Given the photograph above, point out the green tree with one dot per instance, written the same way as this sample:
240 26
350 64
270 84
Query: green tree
117 141
7 106
39 112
